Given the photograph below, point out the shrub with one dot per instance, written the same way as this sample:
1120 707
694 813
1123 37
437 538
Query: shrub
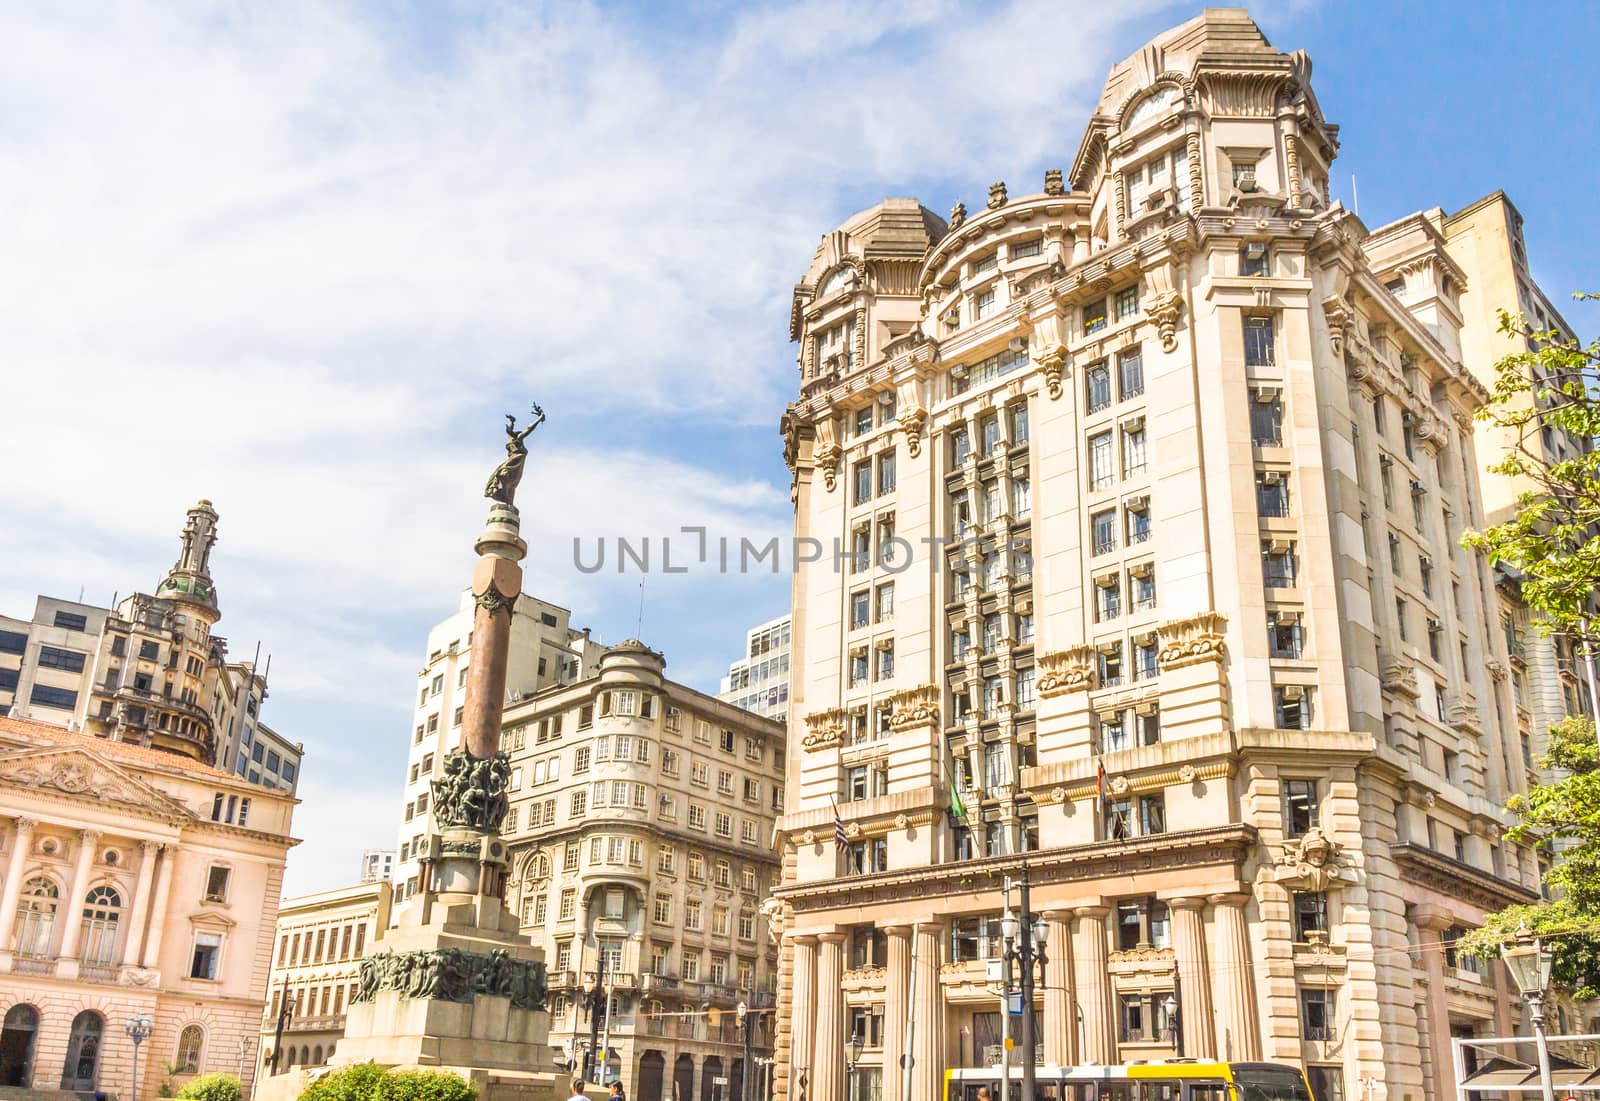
211 1087
370 1082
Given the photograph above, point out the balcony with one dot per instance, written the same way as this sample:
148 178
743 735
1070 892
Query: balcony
329 1022
659 984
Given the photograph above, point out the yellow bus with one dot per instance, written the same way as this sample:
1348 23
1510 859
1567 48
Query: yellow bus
1166 1080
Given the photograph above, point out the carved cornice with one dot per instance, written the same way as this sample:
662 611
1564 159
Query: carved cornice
914 708
1423 867
826 729
1063 671
1398 676
1121 784
1191 641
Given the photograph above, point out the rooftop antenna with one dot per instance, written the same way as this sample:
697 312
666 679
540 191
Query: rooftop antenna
255 664
1355 195
638 626
80 594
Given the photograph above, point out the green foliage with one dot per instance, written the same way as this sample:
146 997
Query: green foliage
370 1082
1568 808
167 1088
211 1087
1552 541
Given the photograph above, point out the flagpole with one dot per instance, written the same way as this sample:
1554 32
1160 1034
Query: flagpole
907 1060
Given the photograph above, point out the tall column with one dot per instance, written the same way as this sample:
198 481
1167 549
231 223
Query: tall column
1094 985
827 1073
1432 921
139 904
896 1006
1240 1026
1060 1015
496 584
927 1043
88 840
803 1021
158 908
11 892
1194 975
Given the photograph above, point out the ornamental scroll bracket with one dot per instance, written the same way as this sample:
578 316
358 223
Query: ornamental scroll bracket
1191 641
1064 671
914 708
825 729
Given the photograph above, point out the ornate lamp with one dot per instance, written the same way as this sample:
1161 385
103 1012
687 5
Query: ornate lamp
852 1050
138 1029
1528 960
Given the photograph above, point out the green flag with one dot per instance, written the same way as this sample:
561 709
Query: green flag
958 809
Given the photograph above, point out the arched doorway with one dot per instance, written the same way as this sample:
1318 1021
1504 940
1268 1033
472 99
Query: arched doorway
683 1079
652 1070
736 1082
16 1045
710 1071
83 1053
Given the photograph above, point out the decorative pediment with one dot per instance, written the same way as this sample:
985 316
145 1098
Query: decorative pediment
78 773
1193 640
211 919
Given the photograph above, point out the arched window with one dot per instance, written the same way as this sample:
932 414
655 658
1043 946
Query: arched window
36 916
190 1041
316 1056
101 909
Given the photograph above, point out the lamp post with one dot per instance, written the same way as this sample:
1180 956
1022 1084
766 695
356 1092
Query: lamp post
1528 960
138 1029
1025 935
1171 1006
747 1022
852 1055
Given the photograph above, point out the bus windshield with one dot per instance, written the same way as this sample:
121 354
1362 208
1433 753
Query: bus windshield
1261 1082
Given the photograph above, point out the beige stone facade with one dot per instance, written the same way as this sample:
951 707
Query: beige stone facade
641 828
320 940
135 882
1162 488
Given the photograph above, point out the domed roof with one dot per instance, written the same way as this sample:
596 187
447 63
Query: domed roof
630 646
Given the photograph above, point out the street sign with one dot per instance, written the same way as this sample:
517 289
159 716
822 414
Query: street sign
1014 1003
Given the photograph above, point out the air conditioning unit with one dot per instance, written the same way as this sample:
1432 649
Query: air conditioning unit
1141 569
1247 179
1017 344
1106 581
1255 250
1293 692
1160 200
958 371
1271 477
1281 546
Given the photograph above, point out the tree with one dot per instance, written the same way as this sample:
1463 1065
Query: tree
1554 543
211 1087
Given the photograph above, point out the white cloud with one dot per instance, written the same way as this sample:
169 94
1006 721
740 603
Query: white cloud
296 261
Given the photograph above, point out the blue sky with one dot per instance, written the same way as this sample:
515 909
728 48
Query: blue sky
299 260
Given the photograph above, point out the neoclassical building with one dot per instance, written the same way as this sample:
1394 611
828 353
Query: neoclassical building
641 828
1150 487
136 882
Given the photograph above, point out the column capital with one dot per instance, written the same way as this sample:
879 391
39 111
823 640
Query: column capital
834 937
26 825
901 930
1433 918
1229 898
1091 913
804 940
90 837
1186 902
146 845
929 925
1056 913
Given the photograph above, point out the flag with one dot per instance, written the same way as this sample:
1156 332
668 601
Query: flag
958 809
841 840
1099 786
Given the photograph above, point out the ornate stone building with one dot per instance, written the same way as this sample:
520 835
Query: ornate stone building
1163 488
321 939
641 829
136 881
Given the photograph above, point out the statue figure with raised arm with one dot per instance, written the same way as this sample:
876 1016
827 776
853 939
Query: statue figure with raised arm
503 482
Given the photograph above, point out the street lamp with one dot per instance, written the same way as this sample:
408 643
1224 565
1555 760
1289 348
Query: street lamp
1529 964
852 1050
1024 935
1171 1006
746 1024
137 1028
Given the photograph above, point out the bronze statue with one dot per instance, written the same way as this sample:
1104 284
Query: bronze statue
507 476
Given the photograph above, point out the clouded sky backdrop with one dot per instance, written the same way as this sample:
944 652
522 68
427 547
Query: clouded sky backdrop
299 258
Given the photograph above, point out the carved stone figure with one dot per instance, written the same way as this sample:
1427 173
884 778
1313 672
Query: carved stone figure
454 975
507 476
473 791
1310 862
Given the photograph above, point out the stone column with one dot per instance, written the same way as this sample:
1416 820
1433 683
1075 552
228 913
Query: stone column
1239 1036
158 907
1094 985
138 907
896 1007
11 893
927 1041
70 932
496 584
1194 975
1060 1014
827 1066
1431 922
803 1020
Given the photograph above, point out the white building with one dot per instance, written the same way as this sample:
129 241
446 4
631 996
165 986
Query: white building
759 681
377 866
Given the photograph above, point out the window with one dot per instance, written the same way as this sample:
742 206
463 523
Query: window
1266 419
1316 1013
71 621
579 805
187 1060
1130 374
1019 423
1272 493
217 884
1108 597
983 304
1292 706
1126 302
1258 342
1327 1082
1300 807
1253 259
1097 387
865 857
1133 456
1142 592
1110 661
46 696
1310 916
11 642
863 482
51 657
1278 565
207 949
1285 637
1102 463
1094 317
886 473
1143 923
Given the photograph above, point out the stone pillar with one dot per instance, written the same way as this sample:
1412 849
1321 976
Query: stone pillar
11 892
803 1020
827 1064
1094 985
1431 922
927 1041
1239 1037
88 840
896 1007
158 908
496 584
138 907
1060 1014
1194 976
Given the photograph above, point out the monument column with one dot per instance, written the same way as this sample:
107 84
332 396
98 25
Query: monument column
927 1041
1194 977
803 1022
1094 985
12 891
158 905
828 1066
1240 1038
139 902
70 932
896 1005
1060 1015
